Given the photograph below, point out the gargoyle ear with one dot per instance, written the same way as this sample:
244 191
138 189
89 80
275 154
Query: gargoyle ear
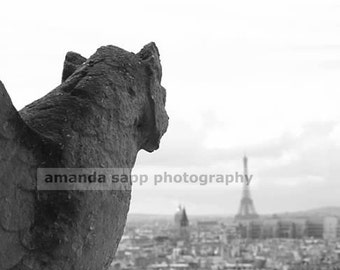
72 62
150 57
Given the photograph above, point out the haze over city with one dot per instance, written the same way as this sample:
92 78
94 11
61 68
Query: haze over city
259 78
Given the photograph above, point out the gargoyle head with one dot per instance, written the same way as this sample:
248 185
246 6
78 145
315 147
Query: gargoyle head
123 83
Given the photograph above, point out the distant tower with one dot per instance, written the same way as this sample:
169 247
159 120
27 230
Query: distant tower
182 224
247 209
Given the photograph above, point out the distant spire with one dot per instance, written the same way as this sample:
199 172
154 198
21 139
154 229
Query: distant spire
184 218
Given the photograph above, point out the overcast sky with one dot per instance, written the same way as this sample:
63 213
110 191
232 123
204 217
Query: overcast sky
254 77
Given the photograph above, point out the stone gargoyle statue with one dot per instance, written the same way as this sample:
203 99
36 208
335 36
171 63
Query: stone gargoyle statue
106 109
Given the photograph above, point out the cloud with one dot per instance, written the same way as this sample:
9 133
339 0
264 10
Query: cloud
297 171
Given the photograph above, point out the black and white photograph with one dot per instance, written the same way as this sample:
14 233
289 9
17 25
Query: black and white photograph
170 135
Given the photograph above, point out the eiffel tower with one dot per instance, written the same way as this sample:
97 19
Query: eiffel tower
247 209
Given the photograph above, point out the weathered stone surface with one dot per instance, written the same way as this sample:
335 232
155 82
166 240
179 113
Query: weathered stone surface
107 108
72 62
